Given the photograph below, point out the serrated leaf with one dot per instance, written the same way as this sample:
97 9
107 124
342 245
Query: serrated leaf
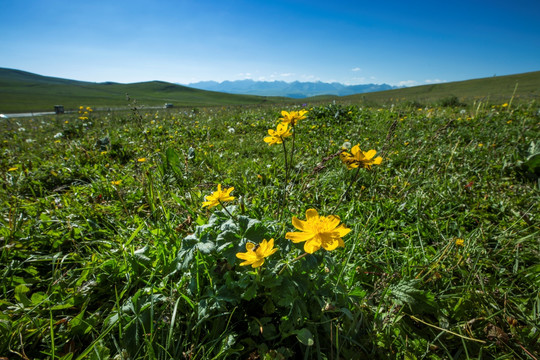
358 293
206 245
250 292
407 292
227 237
229 225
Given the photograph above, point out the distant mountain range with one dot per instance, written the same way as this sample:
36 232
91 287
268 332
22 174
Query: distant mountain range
295 89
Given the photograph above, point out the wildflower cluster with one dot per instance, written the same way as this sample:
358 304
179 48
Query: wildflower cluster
316 231
84 112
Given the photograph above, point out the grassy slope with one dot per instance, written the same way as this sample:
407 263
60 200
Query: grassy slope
22 91
497 88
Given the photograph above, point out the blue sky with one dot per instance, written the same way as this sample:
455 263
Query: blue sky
353 42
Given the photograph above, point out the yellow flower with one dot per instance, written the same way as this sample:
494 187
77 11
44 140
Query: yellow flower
504 105
276 136
117 182
318 231
292 117
360 158
460 242
218 197
13 168
256 253
141 159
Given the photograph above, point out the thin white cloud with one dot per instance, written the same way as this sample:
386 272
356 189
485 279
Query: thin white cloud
434 81
245 75
407 83
356 69
286 74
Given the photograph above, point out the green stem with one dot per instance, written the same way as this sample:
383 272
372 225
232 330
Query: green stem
347 190
284 200
293 260
286 167
227 211
292 150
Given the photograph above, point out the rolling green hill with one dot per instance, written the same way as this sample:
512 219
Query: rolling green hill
22 91
493 89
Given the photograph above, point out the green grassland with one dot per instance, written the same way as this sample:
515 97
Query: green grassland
26 92
107 252
496 89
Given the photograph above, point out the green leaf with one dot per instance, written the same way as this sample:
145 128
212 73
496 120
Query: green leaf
141 255
305 336
206 246
20 294
356 292
38 297
533 164
172 157
250 292
407 292
66 305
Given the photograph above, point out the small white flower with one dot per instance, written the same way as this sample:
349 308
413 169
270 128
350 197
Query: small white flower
346 145
231 130
21 129
58 135
30 140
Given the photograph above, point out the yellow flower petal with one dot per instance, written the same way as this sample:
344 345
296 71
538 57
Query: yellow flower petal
311 215
370 154
318 231
313 245
297 237
297 223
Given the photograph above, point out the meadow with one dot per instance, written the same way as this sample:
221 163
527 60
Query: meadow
118 244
